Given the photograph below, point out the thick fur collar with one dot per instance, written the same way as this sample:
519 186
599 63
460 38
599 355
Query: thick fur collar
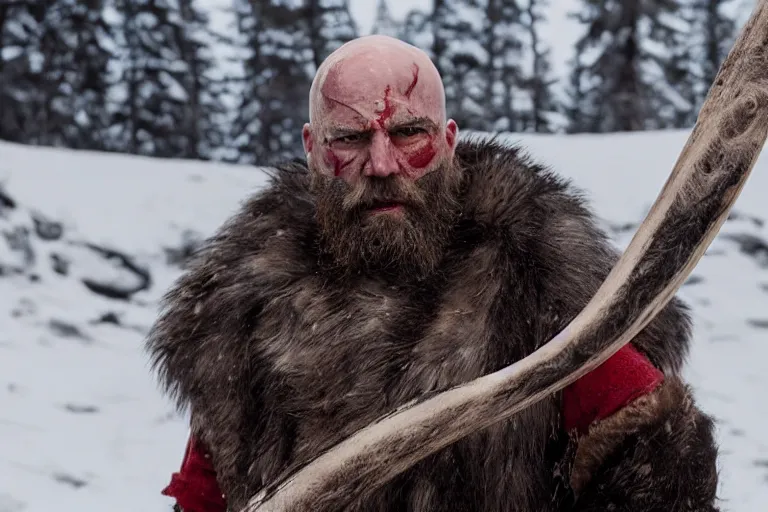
279 359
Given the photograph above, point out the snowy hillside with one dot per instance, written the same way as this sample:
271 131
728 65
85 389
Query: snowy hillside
90 242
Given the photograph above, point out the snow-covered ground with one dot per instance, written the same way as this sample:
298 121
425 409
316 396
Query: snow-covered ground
90 242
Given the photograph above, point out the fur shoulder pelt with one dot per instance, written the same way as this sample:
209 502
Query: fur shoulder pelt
517 197
279 359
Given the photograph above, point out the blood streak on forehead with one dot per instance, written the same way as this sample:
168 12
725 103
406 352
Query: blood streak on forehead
412 85
376 85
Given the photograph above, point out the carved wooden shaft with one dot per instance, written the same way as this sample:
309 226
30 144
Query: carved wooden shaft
705 182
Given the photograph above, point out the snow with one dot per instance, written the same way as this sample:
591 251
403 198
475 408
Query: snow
83 425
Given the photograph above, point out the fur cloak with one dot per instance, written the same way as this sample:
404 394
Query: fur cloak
280 357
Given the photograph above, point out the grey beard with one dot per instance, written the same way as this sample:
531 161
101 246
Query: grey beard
408 245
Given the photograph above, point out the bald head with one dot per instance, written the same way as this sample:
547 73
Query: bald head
377 107
363 69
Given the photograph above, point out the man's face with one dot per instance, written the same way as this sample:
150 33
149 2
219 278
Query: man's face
375 120
381 157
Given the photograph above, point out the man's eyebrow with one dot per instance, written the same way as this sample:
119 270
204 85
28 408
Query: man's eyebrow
419 122
341 131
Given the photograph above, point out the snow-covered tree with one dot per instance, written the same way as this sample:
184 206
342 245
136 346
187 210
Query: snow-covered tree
167 101
20 68
508 100
538 77
718 30
150 111
203 81
494 65
54 59
384 23
461 53
278 69
74 44
630 71
331 25
417 29
712 35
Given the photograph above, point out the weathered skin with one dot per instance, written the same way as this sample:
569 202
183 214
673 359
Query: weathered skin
377 108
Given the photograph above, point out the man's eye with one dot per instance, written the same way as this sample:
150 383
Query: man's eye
409 131
349 139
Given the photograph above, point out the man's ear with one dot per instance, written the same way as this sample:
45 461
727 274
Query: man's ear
306 136
451 134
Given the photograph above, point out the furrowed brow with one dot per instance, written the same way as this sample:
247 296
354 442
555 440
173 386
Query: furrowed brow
419 122
342 131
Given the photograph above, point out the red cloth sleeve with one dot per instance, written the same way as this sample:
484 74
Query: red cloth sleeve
622 378
194 487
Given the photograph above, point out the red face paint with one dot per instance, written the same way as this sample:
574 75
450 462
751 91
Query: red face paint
410 88
388 110
336 162
422 156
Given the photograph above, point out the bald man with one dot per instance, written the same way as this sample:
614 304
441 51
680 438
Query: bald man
398 260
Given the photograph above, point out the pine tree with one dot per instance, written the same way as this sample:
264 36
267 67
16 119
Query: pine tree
495 69
461 53
384 23
507 98
73 83
20 68
277 76
205 113
713 33
331 25
150 109
539 79
417 29
225 55
169 103
630 71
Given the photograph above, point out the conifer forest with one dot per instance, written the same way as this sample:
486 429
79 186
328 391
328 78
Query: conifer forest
156 78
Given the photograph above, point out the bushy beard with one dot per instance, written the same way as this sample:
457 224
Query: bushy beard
405 244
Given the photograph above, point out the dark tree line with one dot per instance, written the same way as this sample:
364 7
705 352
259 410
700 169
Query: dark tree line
645 64
160 78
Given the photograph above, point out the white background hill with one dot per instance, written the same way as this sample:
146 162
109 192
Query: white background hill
89 243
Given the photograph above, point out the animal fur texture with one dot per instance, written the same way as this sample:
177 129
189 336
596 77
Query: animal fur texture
655 454
279 356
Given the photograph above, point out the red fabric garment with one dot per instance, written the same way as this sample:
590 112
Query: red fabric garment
625 376
194 487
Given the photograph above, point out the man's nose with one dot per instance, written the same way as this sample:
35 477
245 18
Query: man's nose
383 162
